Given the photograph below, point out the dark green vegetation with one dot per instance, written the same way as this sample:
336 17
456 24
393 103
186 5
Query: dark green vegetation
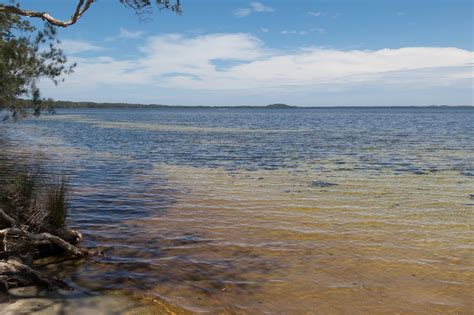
28 54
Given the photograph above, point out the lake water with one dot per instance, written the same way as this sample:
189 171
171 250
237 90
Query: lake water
277 211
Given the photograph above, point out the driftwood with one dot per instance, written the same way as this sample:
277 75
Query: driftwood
36 239
14 273
19 247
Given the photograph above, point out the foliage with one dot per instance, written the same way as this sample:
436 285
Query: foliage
140 5
26 56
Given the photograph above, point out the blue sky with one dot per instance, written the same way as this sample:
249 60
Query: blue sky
307 53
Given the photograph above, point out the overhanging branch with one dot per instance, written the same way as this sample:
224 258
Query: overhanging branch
81 8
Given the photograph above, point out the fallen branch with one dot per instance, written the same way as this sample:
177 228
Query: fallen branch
67 247
19 248
40 239
14 274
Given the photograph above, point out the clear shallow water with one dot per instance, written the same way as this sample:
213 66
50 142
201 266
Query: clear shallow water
276 211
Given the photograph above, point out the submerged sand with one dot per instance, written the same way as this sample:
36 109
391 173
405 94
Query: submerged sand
340 235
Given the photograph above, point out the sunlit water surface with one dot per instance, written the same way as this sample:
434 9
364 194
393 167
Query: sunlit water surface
304 211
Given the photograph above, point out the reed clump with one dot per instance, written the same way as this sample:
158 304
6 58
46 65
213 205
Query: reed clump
33 212
56 202
35 199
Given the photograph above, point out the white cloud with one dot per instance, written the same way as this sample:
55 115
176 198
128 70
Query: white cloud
223 63
258 7
304 32
253 7
293 32
78 46
317 14
124 33
264 30
242 12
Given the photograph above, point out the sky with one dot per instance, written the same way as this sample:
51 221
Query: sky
298 52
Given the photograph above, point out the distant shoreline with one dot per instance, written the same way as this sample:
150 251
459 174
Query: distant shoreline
84 105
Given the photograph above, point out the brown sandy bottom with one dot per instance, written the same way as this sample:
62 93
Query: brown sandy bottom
327 237
343 241
330 240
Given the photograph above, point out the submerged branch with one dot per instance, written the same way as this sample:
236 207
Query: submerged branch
13 274
19 247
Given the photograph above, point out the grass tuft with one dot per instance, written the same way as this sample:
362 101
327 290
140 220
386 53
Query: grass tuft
56 202
34 198
19 194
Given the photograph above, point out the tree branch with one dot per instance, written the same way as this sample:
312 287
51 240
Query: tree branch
81 8
41 239
14 273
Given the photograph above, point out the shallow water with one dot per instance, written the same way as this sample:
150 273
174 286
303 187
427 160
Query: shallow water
269 211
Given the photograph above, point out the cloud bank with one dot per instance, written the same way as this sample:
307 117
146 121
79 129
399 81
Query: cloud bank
227 64
78 46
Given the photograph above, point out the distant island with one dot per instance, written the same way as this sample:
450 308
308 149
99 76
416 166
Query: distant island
70 104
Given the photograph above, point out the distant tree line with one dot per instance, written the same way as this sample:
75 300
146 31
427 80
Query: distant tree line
68 104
